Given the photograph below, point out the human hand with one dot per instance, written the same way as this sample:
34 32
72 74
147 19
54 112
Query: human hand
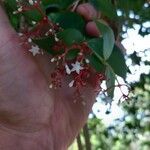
32 116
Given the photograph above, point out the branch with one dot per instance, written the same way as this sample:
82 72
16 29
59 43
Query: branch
79 143
87 137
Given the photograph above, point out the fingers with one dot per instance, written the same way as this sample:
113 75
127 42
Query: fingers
89 13
92 29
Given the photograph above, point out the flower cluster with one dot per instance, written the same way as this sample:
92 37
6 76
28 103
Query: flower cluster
77 67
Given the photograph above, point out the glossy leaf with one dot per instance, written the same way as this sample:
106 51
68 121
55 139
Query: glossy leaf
33 15
70 36
72 54
110 82
45 43
96 63
59 3
11 3
108 38
10 7
69 20
117 62
15 21
106 7
96 45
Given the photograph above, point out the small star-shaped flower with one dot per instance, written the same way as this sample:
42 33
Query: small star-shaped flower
68 71
35 50
31 2
71 83
76 67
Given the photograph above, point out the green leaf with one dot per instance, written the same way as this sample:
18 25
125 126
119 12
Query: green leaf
108 37
33 15
60 3
70 36
15 21
96 46
11 6
11 3
46 3
106 7
110 82
72 54
45 44
68 20
117 62
96 63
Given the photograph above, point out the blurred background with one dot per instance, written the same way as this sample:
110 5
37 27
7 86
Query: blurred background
125 126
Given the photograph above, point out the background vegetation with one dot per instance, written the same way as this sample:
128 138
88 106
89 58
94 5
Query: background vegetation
132 131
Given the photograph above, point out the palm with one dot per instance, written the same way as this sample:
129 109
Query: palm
27 104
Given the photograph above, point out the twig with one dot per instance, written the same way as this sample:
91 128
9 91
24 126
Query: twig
80 147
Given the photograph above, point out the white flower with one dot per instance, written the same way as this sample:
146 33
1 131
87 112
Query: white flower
15 12
50 30
71 83
53 59
81 54
29 40
20 34
59 58
31 2
33 22
56 38
87 61
68 71
51 86
35 50
76 67
20 9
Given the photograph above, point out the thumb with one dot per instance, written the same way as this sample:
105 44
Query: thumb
6 31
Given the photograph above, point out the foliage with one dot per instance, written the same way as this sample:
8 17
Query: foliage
133 130
54 27
106 57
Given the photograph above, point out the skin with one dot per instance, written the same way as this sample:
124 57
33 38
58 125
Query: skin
32 116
